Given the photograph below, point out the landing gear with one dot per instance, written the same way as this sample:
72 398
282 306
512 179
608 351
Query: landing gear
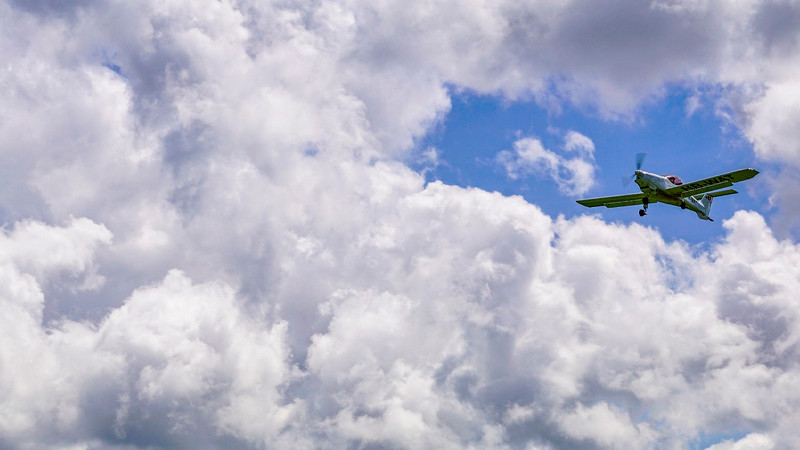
645 203
683 205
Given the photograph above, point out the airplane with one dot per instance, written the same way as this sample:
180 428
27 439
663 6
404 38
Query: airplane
671 190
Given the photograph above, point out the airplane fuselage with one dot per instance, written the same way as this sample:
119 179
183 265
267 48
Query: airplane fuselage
656 186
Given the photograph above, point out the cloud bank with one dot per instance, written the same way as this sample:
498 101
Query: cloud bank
209 238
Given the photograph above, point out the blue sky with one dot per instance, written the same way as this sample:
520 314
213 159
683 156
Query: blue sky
692 146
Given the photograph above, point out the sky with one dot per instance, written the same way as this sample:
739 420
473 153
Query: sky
673 129
352 224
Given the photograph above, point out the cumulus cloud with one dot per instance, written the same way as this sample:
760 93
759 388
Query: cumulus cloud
138 376
179 343
574 176
529 327
773 124
576 142
754 441
209 239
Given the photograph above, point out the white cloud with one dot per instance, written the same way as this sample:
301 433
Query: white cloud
773 123
192 355
574 176
174 359
753 441
513 320
693 104
44 251
42 383
576 142
604 426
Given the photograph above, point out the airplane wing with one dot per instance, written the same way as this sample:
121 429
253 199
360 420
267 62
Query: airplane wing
713 183
614 201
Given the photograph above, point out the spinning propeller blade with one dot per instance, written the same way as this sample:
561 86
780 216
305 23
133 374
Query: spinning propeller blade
627 180
639 160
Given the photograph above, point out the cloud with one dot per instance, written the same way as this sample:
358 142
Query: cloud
771 125
574 176
39 373
209 241
603 425
751 441
576 142
137 376
180 343
693 104
532 320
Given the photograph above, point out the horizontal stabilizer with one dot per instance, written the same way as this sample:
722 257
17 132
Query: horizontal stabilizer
701 190
723 193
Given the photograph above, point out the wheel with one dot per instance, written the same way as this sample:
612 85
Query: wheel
641 213
683 205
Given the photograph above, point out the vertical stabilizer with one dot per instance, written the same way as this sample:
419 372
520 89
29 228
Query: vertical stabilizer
704 204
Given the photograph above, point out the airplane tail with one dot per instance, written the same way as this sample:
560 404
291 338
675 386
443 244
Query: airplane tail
705 207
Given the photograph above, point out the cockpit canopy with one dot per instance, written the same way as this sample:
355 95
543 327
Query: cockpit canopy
674 179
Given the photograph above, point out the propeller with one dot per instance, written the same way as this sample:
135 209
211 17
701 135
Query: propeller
639 160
